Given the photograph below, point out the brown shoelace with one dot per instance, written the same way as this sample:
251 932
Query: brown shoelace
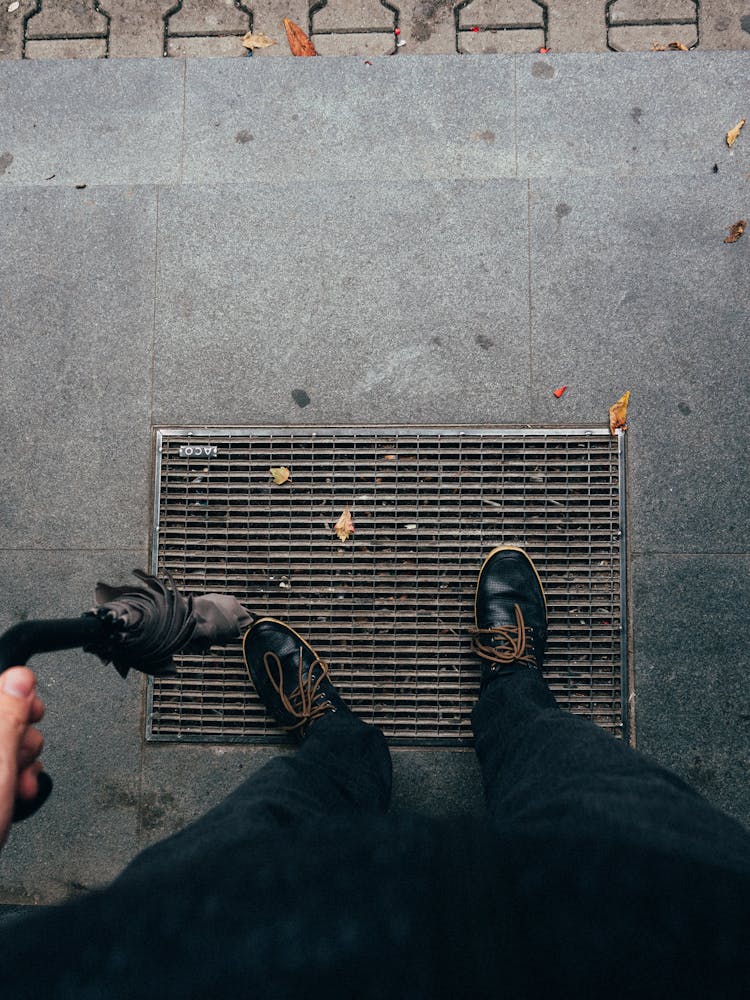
514 637
300 704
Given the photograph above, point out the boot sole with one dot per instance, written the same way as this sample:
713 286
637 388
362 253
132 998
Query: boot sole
508 548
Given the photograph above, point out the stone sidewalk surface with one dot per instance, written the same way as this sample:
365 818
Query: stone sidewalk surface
33 29
188 241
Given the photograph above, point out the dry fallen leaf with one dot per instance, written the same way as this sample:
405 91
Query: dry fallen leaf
658 47
280 474
344 527
733 133
257 41
618 413
299 43
736 231
679 47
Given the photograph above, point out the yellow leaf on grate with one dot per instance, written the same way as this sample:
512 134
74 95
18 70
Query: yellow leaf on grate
344 527
280 474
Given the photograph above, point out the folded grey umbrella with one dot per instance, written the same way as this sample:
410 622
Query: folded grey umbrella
150 623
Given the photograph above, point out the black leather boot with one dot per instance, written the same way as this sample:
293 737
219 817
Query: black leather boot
510 614
291 679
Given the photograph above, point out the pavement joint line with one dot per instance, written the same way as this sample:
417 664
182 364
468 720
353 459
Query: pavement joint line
156 299
531 315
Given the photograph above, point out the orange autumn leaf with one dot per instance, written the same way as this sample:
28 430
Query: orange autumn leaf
299 43
733 133
678 46
618 413
344 527
736 231
280 474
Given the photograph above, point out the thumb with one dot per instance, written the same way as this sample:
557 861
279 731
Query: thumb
16 698
16 693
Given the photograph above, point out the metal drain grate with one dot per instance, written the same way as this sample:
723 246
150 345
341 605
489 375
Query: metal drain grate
390 609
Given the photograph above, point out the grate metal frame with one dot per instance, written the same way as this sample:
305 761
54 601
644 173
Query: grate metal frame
164 438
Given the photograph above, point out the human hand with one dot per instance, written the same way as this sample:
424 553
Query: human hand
20 742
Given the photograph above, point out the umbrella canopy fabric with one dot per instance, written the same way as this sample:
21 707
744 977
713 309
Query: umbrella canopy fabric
150 623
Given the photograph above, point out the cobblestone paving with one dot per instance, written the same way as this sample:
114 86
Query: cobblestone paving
37 29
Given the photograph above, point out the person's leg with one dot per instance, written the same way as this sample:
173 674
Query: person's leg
343 765
548 771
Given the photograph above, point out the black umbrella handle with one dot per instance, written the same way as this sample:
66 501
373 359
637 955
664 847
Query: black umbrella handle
23 641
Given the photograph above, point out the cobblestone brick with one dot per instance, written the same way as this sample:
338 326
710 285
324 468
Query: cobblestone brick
79 28
67 29
11 29
137 27
427 26
206 28
518 26
639 25
354 27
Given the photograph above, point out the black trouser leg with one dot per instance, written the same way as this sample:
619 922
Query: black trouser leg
547 771
343 767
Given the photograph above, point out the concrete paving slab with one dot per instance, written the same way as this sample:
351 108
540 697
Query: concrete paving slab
86 831
692 700
437 782
77 290
725 24
317 119
136 28
651 113
383 302
576 27
91 121
182 782
634 288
